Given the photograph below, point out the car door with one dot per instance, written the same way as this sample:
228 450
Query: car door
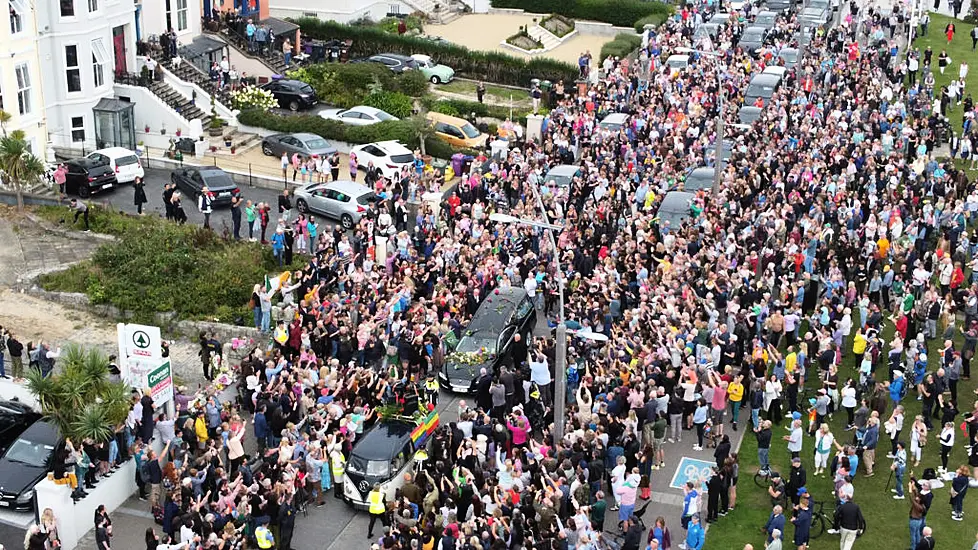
504 341
291 145
75 176
373 154
317 200
276 89
352 117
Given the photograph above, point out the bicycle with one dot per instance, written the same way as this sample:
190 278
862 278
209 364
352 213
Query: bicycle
820 519
763 478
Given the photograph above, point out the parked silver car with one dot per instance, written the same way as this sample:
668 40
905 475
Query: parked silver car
306 145
346 201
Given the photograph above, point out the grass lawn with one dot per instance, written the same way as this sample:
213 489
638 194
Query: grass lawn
959 50
887 526
498 95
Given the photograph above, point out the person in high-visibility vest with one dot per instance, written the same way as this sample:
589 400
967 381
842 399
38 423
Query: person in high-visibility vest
337 464
431 389
264 537
378 509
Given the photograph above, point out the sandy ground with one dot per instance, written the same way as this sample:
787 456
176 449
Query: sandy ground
485 32
33 319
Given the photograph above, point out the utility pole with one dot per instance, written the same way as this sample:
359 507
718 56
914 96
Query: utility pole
718 171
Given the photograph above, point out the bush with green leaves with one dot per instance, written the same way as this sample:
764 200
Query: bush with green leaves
621 13
655 20
156 266
346 84
394 103
479 65
623 44
253 97
79 398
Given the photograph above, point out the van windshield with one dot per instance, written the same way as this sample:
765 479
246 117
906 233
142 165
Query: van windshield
369 468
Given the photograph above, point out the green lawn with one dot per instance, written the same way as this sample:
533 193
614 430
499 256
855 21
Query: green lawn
959 49
886 518
498 95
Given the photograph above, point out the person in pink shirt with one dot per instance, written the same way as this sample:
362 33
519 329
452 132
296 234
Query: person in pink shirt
519 429
719 401
626 494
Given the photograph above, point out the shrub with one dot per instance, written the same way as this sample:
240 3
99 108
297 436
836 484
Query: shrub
345 85
622 13
479 65
557 24
394 103
623 44
655 20
165 267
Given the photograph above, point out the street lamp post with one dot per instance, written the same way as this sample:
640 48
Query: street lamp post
718 171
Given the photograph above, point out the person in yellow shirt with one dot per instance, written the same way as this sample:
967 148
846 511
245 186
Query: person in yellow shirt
859 346
791 360
200 428
735 394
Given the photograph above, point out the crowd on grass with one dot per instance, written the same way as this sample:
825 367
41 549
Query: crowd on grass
834 221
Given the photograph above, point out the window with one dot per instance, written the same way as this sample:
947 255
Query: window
17 9
99 57
67 8
182 12
92 6
23 89
77 129
72 72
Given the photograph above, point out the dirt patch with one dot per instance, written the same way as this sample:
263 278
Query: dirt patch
32 318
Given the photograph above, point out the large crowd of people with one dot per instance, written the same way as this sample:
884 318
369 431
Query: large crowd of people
833 217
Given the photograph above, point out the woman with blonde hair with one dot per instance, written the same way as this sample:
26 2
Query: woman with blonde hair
918 438
824 441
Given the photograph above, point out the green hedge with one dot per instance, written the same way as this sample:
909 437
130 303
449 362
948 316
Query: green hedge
623 44
621 13
462 108
479 65
345 85
400 130
394 103
156 266
655 20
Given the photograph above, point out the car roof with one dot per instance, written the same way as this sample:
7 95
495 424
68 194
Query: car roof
421 57
563 170
750 109
15 406
114 152
351 188
365 109
788 50
42 432
383 441
678 56
398 56
765 79
306 135
210 169
496 310
766 13
615 118
392 147
776 70
86 162
675 203
755 29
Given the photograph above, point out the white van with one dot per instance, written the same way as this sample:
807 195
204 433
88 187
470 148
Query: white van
124 163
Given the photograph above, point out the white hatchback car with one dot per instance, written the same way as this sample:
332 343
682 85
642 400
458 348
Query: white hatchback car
389 156
124 163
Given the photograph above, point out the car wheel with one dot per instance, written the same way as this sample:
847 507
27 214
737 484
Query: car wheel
435 79
84 191
347 221
293 105
266 149
302 206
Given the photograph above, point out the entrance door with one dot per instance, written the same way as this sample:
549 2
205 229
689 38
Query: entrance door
119 47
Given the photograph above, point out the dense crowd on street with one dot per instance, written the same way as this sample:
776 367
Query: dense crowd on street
833 218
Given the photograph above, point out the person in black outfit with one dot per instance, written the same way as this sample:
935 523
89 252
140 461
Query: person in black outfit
147 423
139 195
714 486
236 217
796 480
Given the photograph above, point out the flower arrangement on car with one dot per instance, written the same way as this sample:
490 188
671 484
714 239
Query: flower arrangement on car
469 358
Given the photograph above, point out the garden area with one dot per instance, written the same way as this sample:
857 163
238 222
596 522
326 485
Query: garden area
158 267
886 518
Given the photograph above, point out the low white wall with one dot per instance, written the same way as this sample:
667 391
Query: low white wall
75 519
12 390
478 6
597 28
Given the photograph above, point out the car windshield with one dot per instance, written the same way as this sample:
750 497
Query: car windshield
304 88
470 131
366 198
370 468
217 180
402 158
27 452
477 342
384 116
790 57
317 143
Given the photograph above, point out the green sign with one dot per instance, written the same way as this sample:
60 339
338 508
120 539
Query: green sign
160 382
140 339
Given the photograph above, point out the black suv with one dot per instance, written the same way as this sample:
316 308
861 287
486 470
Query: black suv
486 342
396 62
87 176
292 94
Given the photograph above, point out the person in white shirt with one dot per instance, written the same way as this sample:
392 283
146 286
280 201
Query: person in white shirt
540 375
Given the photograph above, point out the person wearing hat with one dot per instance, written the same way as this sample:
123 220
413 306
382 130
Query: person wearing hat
263 535
797 479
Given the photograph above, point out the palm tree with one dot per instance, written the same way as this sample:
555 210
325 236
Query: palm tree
4 119
421 128
80 400
18 166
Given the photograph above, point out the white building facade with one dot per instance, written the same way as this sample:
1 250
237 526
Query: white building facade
158 16
84 45
20 76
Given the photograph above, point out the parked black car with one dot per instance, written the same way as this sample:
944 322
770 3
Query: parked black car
487 341
292 94
396 62
15 417
26 462
192 180
86 177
